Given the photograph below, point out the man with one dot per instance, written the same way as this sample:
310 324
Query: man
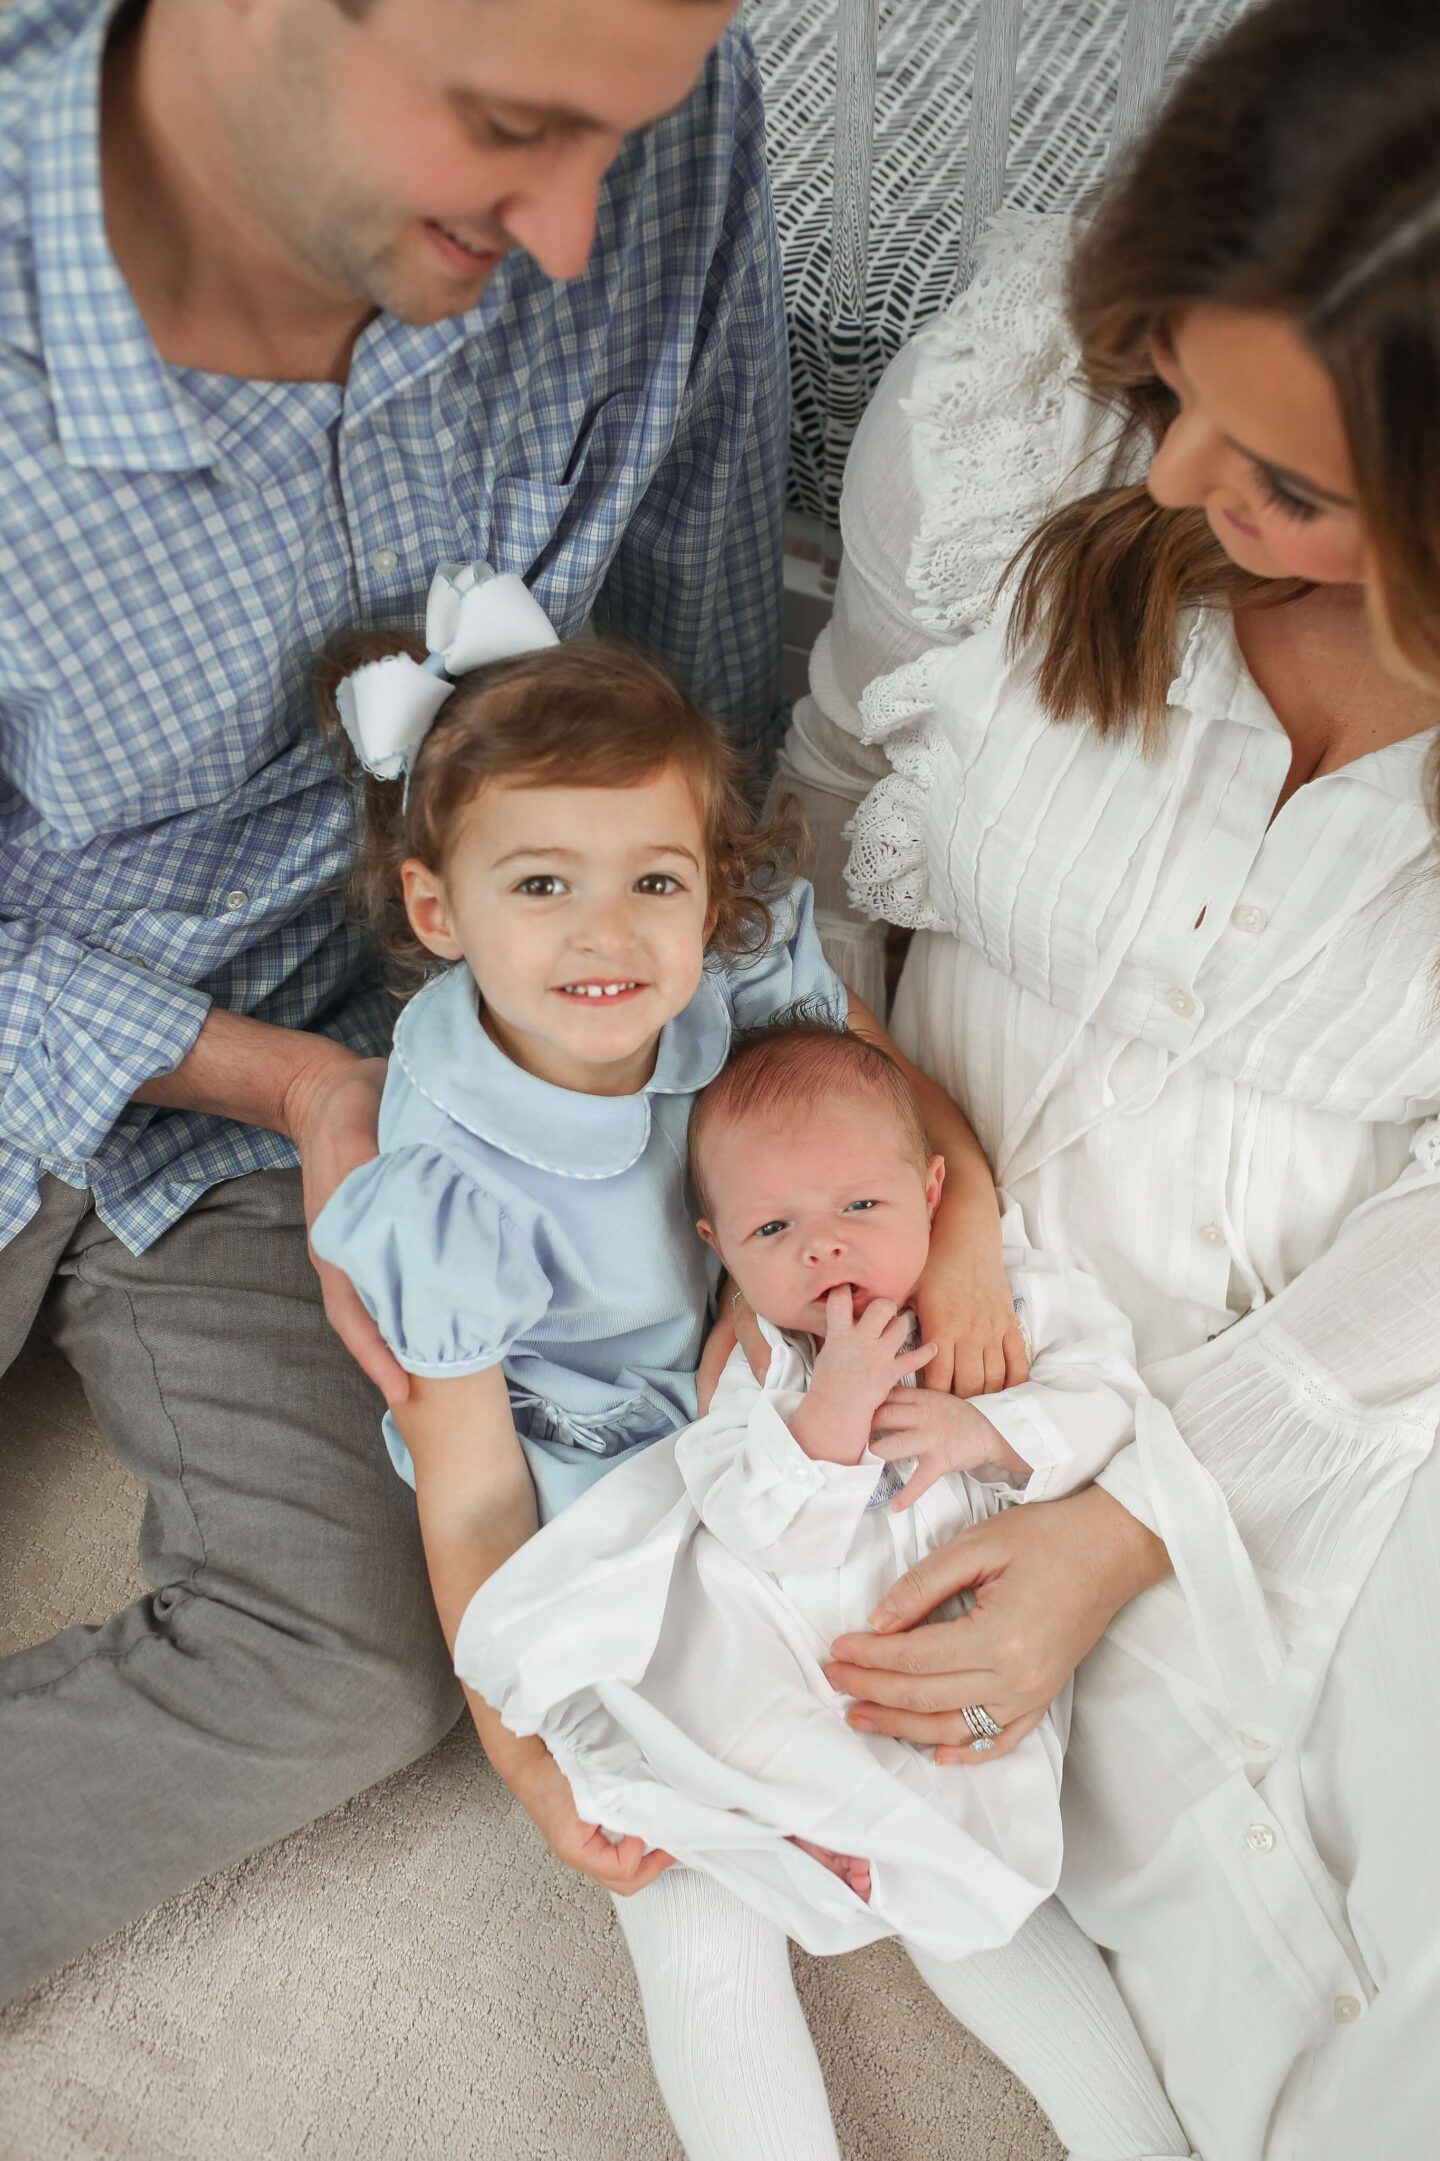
297 299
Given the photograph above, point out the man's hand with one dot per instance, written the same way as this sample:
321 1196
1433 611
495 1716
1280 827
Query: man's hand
544 1792
1047 1582
331 1110
945 1433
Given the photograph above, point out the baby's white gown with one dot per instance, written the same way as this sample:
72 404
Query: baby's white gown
664 1637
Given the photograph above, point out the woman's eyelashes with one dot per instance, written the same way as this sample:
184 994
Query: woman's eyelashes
1280 498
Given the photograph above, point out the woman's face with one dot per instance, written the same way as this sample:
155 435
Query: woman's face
1258 445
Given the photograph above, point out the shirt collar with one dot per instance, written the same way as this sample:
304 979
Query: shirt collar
1213 681
116 404
446 1054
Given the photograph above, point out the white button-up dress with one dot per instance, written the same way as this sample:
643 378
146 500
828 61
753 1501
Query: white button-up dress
1201 1043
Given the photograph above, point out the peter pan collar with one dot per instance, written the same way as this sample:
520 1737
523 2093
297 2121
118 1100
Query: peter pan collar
448 1057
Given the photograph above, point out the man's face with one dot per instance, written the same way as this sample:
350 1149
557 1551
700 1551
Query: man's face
400 154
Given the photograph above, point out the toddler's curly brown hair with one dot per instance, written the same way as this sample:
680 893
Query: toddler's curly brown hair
588 714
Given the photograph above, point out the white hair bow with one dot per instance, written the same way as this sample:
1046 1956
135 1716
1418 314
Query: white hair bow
473 615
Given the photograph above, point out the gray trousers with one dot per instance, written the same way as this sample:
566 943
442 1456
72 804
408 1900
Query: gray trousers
288 1653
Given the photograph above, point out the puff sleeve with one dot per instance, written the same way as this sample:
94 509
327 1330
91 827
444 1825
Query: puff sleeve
450 1279
791 968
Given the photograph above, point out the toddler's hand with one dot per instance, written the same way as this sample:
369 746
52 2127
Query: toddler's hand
945 1433
623 1869
964 1304
861 1359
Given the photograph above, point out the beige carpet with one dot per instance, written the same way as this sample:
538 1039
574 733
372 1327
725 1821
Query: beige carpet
413 1976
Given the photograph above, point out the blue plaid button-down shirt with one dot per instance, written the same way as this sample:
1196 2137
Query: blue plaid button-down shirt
175 547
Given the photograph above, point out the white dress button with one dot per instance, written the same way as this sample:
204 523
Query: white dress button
1182 1003
1346 2009
384 559
1260 1838
1212 1235
1248 918
235 898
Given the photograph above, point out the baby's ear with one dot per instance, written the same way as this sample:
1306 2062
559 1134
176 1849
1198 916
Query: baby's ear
934 1180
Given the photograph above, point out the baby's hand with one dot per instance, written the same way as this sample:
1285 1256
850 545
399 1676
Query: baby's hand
945 1433
861 1359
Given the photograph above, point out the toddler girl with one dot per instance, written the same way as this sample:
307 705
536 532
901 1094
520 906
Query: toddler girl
565 831
667 1639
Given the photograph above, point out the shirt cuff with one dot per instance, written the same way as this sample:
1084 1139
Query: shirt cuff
89 1044
1019 1415
1124 1480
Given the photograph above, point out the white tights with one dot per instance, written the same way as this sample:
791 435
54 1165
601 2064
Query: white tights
738 2069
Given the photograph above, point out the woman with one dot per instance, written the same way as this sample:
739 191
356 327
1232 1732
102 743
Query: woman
1161 817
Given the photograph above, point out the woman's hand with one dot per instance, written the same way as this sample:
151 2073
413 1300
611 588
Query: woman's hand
1047 1581
964 1304
543 1790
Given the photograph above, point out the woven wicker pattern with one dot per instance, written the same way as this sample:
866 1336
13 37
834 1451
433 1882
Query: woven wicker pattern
1065 86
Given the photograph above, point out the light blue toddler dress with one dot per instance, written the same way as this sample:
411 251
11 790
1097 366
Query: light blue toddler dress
509 1222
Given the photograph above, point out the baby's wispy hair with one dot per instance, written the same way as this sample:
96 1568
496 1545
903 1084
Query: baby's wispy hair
801 1060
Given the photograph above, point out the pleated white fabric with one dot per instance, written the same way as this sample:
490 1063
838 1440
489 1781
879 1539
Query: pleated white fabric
1202 1048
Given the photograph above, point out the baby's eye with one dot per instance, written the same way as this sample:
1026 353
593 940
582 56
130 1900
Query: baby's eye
658 882
851 1205
768 1230
543 886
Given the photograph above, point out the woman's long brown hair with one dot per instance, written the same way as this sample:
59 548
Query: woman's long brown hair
1295 167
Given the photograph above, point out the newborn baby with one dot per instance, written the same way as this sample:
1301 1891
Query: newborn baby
666 1635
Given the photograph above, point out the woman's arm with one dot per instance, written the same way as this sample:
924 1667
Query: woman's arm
477 1506
1289 1453
964 1301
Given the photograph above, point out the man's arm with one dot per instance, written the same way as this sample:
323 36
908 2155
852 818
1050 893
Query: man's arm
697 578
321 1096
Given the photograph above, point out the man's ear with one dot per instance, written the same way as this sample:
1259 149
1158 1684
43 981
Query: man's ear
934 1180
428 909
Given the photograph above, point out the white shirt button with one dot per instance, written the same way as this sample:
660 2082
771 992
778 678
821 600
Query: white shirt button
1346 2009
1212 1235
352 427
384 559
235 898
1248 918
1182 1003
1260 1838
